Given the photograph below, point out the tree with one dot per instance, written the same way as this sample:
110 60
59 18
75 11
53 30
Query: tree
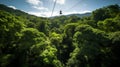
110 25
49 57
10 34
30 37
100 14
72 19
88 47
114 10
70 29
115 48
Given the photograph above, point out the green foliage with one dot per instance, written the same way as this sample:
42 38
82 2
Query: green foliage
55 38
49 57
32 36
114 10
72 19
10 27
10 34
106 12
115 36
30 41
70 29
110 25
100 14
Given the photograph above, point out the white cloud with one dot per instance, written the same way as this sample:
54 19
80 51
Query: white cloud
37 4
40 8
41 14
77 12
34 2
60 2
48 13
12 7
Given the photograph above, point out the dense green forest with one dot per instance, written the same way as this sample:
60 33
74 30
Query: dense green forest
31 41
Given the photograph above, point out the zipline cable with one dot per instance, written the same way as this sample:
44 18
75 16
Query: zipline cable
66 9
53 7
73 6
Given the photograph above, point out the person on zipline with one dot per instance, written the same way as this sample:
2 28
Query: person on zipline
60 12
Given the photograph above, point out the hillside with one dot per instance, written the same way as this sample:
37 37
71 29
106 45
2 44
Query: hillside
62 41
80 15
19 12
11 10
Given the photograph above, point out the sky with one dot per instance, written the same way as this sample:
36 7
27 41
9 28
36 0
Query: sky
44 8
